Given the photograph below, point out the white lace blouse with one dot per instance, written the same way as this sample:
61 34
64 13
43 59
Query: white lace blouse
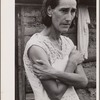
55 56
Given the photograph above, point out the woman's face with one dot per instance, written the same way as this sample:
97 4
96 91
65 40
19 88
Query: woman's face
63 15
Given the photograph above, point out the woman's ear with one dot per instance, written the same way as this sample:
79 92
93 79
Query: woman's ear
49 11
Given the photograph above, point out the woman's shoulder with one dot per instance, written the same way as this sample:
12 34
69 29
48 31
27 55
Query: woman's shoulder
38 40
35 38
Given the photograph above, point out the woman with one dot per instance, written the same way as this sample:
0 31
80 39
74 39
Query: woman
52 63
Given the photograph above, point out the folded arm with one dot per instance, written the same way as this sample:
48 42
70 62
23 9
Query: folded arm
77 79
54 88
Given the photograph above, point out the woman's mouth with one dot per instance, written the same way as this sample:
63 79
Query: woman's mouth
65 25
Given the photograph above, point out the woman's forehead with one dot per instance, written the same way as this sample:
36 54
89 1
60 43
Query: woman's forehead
67 3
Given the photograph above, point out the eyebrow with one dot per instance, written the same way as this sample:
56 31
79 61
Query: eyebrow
67 8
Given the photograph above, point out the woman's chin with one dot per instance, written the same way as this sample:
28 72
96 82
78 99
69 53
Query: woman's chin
64 31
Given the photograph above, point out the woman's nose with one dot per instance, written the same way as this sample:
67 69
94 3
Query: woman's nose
68 17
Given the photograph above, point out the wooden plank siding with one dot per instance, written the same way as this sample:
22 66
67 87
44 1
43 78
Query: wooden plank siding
21 72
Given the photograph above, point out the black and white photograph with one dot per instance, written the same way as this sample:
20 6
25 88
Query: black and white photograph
53 53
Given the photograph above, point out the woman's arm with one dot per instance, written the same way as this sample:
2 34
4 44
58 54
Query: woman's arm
77 79
54 89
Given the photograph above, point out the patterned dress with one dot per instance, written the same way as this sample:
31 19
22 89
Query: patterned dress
55 56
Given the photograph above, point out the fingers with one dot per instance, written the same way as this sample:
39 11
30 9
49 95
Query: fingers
41 62
76 56
44 64
40 68
38 73
37 67
77 53
41 75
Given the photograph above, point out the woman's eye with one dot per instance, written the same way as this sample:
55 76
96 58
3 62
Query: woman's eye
64 10
68 10
73 10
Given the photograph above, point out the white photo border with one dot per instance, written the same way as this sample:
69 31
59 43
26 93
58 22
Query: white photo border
8 50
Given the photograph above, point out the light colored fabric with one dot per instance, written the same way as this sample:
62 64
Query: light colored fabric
55 56
82 29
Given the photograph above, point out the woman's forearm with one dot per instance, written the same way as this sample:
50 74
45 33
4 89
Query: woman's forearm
67 77
77 79
71 79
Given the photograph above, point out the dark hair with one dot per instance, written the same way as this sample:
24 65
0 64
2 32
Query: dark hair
46 20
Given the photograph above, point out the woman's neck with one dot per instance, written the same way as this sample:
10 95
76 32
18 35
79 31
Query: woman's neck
51 33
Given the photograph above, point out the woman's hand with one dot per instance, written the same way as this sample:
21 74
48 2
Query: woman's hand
76 57
43 70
